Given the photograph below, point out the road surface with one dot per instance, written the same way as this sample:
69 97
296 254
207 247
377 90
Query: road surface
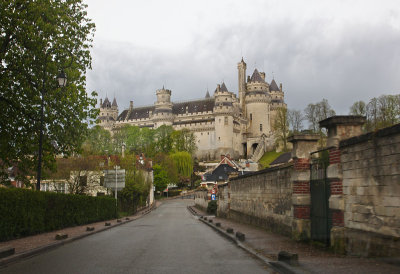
168 240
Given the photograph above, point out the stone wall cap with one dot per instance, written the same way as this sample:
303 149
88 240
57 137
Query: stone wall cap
342 120
303 137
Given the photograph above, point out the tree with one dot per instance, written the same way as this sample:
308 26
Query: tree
98 141
383 111
318 112
164 139
184 165
161 179
281 126
38 39
358 108
295 120
184 140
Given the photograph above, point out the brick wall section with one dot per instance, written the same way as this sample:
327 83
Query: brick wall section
337 217
301 187
264 199
301 212
301 164
371 176
334 156
336 187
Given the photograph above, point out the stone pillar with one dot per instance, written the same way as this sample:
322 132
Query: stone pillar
303 144
339 128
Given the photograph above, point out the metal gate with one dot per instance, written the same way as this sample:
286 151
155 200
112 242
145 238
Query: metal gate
320 192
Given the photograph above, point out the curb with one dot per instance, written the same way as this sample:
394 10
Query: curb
30 253
275 265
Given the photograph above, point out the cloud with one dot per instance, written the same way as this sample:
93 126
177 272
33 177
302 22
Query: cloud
314 58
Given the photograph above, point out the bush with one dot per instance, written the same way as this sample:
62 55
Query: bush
25 212
212 207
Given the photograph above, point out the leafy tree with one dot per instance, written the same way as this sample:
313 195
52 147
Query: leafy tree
183 162
137 186
161 179
383 111
164 138
166 162
281 126
358 108
38 39
184 140
318 112
98 141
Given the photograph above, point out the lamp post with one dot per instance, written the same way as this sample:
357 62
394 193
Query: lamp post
62 81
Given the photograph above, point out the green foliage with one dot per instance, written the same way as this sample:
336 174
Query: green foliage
98 141
166 162
39 39
184 140
268 158
161 179
183 162
26 212
136 188
212 207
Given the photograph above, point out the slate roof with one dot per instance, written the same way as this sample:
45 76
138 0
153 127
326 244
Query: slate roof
256 77
207 95
114 103
282 159
221 173
193 106
273 86
136 113
223 87
106 103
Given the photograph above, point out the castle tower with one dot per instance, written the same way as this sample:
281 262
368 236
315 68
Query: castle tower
242 84
223 113
277 99
257 102
108 113
163 108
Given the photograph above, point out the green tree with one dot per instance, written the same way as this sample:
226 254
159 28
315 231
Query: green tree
358 108
38 39
164 139
98 141
184 140
161 179
183 162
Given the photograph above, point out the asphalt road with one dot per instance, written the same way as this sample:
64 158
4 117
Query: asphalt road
168 240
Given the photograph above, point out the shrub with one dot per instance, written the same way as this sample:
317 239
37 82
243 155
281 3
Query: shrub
25 212
212 207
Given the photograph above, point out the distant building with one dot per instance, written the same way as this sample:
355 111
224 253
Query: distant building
224 123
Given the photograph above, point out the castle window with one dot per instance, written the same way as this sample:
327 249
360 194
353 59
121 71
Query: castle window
251 117
226 120
219 138
260 127
202 134
208 133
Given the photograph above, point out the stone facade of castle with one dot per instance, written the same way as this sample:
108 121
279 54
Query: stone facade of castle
224 123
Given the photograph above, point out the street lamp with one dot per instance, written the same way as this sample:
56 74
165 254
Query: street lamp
62 81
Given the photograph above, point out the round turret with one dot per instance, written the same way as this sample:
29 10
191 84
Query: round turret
163 108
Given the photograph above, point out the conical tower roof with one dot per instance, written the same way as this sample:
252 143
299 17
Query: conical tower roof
256 77
207 94
106 103
273 86
114 103
223 87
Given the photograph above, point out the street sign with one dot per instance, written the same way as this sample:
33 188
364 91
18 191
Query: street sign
213 197
213 191
110 177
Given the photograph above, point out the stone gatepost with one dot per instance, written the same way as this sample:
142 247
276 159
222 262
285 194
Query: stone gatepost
339 128
303 144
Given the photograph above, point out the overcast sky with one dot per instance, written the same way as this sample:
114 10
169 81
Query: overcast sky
343 51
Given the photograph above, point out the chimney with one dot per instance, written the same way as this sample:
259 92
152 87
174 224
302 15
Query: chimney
218 87
130 105
248 78
222 156
101 101
262 74
280 86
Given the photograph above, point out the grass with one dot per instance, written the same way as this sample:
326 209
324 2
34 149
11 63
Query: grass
268 157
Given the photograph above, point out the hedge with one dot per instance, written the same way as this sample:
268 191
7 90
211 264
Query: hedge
26 212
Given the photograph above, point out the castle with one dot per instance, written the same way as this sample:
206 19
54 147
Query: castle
224 123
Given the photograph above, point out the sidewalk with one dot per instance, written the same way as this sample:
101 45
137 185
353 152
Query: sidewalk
311 259
31 245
